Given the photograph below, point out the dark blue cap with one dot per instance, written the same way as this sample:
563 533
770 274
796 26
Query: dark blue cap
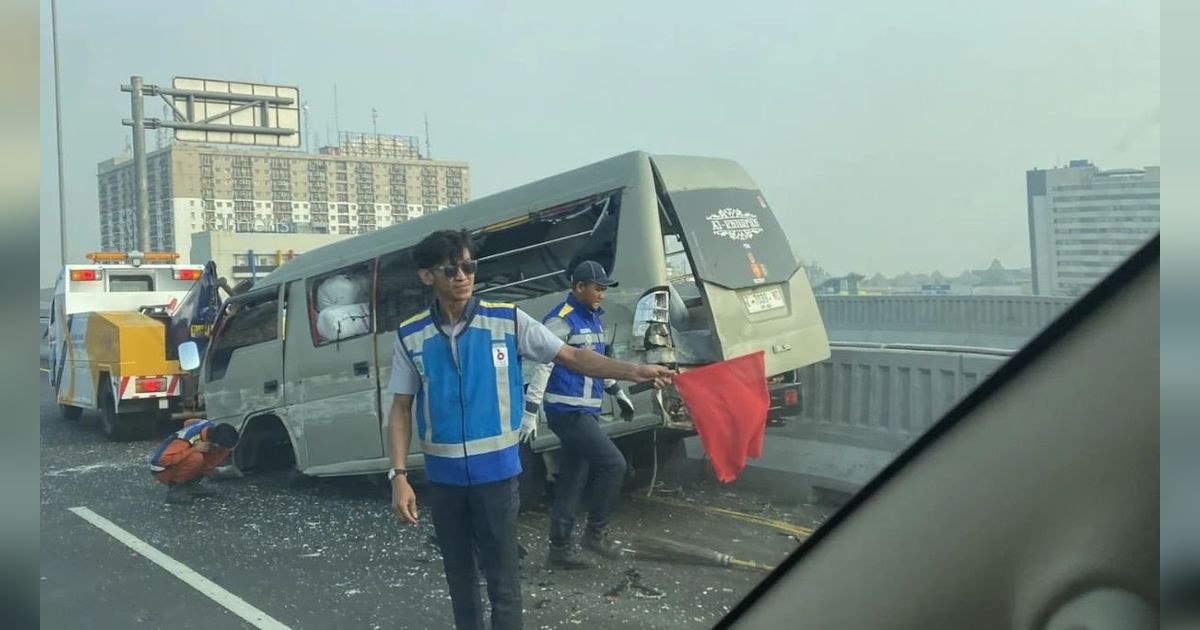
592 271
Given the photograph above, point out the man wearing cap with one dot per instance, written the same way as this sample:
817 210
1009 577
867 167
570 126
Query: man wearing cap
572 404
182 460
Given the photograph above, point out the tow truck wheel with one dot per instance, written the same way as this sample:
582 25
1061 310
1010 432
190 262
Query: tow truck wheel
69 413
115 426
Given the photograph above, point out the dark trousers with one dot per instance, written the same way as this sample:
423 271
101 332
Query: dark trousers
587 454
481 517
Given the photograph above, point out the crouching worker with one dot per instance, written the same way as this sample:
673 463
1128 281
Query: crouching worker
188 454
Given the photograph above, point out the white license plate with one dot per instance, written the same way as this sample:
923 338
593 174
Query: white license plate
766 300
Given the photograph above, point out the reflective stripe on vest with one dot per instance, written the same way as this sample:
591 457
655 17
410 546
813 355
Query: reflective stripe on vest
566 390
468 414
190 434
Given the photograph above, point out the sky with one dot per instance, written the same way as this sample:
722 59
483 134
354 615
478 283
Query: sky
887 136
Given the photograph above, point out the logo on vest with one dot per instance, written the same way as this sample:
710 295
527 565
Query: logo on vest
419 364
500 356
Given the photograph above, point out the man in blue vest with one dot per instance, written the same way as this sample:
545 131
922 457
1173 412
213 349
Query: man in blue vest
572 403
457 368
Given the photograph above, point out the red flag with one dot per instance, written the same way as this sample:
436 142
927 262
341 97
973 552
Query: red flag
728 402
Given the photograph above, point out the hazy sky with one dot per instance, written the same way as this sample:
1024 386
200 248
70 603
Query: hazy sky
888 136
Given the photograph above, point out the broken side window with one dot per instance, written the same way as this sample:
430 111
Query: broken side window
532 255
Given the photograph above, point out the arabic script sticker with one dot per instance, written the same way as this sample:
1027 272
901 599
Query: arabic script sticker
735 223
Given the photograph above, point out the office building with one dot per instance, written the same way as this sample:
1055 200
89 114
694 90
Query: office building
1083 222
366 183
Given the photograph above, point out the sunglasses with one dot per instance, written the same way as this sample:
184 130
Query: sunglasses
468 267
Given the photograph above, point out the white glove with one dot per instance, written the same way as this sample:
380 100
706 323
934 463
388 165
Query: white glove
528 431
625 404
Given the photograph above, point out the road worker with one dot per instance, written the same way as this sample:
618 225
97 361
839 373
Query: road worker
182 460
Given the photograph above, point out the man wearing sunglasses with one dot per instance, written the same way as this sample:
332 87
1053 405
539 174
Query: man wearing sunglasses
457 367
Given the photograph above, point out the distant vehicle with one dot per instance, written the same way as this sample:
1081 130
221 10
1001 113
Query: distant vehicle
936 289
108 339
301 361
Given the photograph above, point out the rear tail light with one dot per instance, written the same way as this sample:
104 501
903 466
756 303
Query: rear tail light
791 398
85 275
187 274
650 319
151 385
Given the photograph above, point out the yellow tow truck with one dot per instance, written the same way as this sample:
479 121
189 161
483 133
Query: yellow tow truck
109 339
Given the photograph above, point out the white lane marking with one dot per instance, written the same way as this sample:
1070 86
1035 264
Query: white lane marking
46 370
233 603
87 468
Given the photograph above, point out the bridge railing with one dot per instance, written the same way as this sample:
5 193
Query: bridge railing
867 402
991 321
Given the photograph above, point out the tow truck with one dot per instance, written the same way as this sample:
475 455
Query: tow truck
110 339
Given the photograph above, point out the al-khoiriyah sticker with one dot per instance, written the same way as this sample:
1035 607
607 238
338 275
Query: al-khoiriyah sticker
735 224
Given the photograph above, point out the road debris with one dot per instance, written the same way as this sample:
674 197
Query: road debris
652 548
632 582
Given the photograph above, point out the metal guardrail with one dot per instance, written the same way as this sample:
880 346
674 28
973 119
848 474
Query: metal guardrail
993 321
867 402
921 347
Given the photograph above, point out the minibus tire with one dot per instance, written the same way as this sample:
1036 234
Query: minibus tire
115 426
70 413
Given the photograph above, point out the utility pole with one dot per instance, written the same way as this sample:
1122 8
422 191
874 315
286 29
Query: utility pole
142 207
307 128
62 200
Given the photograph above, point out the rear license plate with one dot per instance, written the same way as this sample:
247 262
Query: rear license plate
163 403
765 300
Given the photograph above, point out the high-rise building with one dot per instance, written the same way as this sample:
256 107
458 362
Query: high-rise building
363 186
1083 222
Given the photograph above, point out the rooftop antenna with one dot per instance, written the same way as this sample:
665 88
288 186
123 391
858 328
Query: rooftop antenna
337 121
428 153
375 130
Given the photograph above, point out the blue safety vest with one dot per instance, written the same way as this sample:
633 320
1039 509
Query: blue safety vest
567 390
191 434
469 413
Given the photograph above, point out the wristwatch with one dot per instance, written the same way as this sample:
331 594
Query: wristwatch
396 472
